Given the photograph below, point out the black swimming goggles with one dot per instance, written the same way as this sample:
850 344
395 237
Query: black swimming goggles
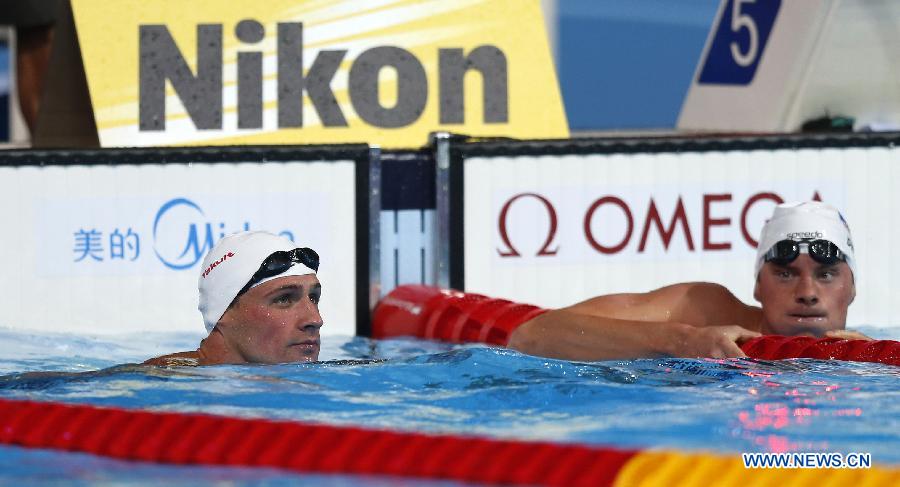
822 251
279 262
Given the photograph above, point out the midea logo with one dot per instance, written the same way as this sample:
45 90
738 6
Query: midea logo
182 234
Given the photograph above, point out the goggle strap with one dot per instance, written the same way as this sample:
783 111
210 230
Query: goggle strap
301 255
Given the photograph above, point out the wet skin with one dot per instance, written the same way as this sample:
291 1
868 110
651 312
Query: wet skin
275 322
804 297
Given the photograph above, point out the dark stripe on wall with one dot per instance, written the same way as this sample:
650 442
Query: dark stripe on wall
675 144
363 317
407 180
457 223
224 155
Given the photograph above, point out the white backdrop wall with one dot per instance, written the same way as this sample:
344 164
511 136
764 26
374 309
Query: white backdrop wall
635 222
117 248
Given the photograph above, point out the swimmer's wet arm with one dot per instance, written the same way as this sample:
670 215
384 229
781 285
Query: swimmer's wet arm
564 334
682 320
569 335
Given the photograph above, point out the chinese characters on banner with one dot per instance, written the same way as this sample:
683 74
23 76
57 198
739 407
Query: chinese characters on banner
89 245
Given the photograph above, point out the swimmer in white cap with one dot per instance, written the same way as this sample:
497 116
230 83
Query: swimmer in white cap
259 297
805 270
805 281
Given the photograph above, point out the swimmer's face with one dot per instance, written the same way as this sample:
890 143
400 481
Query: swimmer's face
275 322
804 297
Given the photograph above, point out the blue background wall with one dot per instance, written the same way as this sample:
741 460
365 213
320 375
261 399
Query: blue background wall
627 64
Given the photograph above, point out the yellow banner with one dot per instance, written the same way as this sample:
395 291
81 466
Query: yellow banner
384 72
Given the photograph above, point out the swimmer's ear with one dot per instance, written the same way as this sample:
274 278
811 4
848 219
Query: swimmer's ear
756 290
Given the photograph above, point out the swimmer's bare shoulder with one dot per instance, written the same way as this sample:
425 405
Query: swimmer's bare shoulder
180 359
710 304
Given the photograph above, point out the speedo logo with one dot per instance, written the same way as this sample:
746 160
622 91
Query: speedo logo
802 235
214 264
201 94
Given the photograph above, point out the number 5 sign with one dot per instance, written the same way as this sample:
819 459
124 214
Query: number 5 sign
740 38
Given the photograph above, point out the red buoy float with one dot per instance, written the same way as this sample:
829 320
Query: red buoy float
448 315
775 347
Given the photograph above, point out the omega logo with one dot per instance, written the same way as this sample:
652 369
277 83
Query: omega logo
551 233
651 221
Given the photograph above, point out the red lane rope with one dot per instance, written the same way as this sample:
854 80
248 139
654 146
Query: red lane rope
779 347
453 316
210 440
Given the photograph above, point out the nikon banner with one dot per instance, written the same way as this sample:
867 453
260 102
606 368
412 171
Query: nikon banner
385 72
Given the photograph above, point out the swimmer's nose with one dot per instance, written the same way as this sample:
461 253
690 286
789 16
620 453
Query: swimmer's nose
806 292
313 327
312 321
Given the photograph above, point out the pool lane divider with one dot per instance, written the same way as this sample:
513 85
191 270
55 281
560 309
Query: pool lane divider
199 439
453 316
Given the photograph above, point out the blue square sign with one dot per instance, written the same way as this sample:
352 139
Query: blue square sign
739 42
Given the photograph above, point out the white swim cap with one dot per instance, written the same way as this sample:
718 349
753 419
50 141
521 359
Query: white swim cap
806 220
231 263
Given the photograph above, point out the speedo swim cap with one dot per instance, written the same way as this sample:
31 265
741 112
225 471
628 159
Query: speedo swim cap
809 220
230 265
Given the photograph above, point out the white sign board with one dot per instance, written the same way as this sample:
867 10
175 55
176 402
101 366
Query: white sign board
555 230
117 248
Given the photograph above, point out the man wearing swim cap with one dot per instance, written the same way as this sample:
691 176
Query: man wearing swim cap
259 297
805 270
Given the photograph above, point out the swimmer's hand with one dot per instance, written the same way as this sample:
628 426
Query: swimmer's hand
709 342
847 335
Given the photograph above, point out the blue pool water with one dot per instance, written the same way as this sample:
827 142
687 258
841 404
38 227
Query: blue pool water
726 407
